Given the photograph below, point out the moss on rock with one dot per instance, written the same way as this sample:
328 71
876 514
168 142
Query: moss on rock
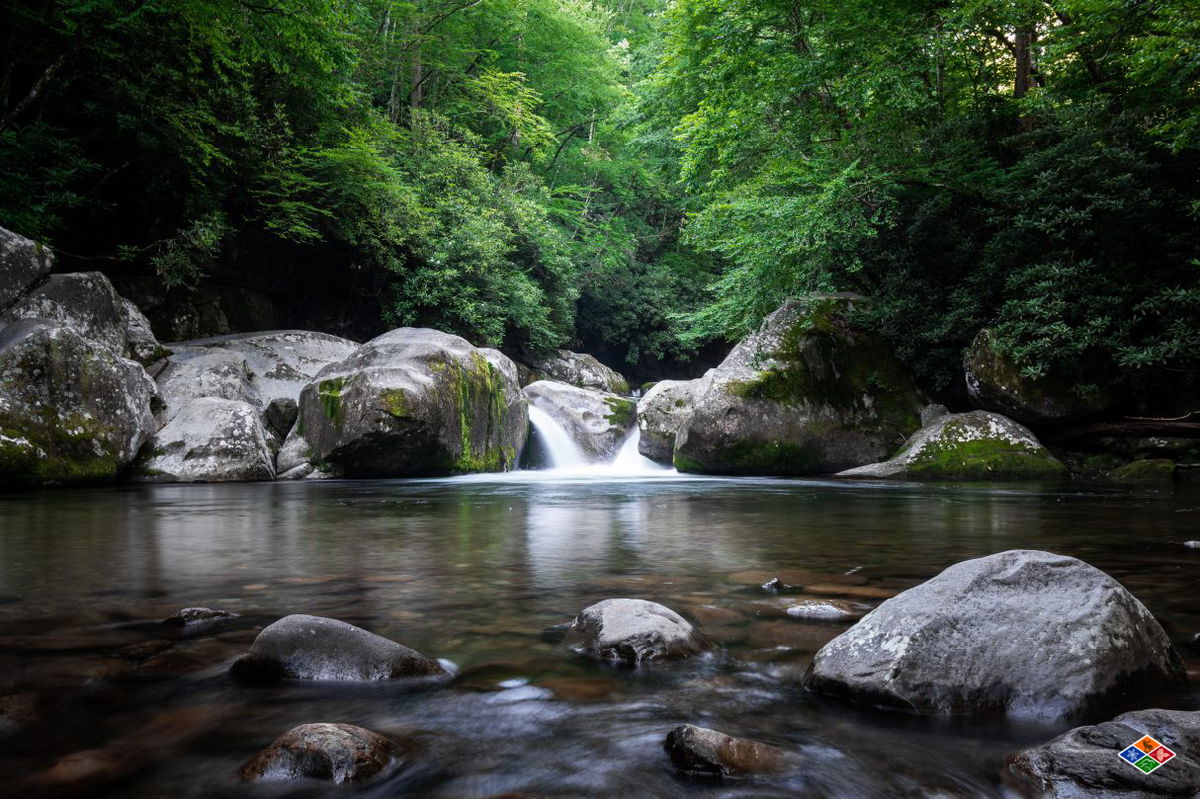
1150 470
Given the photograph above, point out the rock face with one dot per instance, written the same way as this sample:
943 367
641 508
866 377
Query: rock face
83 301
70 410
635 630
210 440
704 751
415 402
597 421
1024 633
662 411
337 753
995 383
578 369
807 394
315 648
1084 764
969 446
23 263
140 343
193 373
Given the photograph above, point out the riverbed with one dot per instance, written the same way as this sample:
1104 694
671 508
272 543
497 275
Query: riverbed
483 573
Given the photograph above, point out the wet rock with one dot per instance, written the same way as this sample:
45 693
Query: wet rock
188 616
968 446
662 411
824 610
579 689
210 440
337 753
316 648
23 264
1192 544
1024 633
577 369
635 630
809 393
700 750
596 420
1084 763
1150 470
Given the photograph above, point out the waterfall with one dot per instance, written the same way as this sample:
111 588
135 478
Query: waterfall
561 449
565 455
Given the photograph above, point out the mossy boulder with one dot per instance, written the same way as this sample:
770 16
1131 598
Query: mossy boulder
809 393
597 421
71 410
414 402
23 264
969 446
995 383
1150 470
662 411
577 368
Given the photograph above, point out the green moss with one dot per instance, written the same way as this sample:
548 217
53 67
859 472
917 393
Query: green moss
329 393
621 388
1151 470
478 389
621 412
649 385
71 450
951 458
756 458
396 402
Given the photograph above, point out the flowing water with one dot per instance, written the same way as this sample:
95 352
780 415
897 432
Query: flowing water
483 572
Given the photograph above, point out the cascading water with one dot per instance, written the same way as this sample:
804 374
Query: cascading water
566 457
561 449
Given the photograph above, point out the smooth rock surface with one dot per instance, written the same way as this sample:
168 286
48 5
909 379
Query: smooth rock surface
578 369
338 753
1025 633
704 751
193 373
84 301
210 440
315 648
635 630
23 264
663 409
596 420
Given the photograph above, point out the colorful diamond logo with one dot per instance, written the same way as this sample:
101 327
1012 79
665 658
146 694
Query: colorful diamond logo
1146 754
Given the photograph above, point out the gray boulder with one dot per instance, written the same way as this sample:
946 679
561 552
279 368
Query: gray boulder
338 753
633 631
23 264
303 647
809 393
703 751
596 420
193 373
578 369
210 440
1024 633
969 446
662 411
140 342
1084 763
84 301
70 410
415 402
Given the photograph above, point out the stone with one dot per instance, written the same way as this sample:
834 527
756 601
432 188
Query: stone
703 751
71 411
295 452
303 647
210 440
140 342
968 446
338 753
596 420
1083 763
414 402
577 369
823 610
1022 633
809 393
1150 470
662 411
23 264
84 301
995 383
634 631
193 373
186 616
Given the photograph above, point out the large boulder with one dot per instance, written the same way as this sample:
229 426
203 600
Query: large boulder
969 446
809 393
70 410
210 440
303 647
596 420
1024 633
662 411
576 368
995 383
84 301
633 631
337 753
23 264
193 373
1091 762
415 402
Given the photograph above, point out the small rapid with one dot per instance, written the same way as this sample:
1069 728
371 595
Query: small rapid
566 459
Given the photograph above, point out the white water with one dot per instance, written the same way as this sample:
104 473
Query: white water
568 460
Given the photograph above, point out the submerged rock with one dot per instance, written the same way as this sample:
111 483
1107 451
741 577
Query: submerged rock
1084 762
315 648
186 616
635 630
414 402
969 446
23 264
1150 470
705 751
1024 633
210 440
597 421
823 610
578 369
336 753
662 411
809 393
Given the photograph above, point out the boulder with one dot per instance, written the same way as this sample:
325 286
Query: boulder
662 411
294 453
703 751
634 630
303 647
338 753
809 393
210 440
969 446
596 420
83 301
70 410
23 264
415 402
1025 633
193 373
1150 470
1084 763
995 383
140 342
578 369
